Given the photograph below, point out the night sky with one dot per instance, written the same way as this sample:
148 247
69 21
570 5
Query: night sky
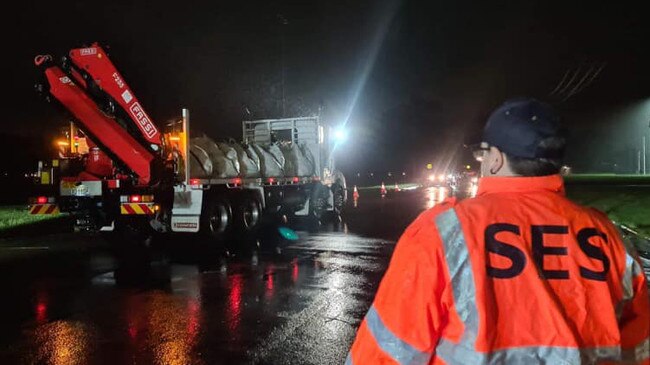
417 79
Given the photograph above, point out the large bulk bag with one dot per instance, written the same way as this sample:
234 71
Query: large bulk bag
232 162
304 163
310 162
200 163
296 163
289 159
270 164
274 149
249 163
221 166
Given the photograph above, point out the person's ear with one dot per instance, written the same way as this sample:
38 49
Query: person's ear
496 161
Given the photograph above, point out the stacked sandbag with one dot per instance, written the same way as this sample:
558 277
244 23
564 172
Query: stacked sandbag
210 159
309 157
200 163
223 165
289 159
271 160
296 163
232 161
249 162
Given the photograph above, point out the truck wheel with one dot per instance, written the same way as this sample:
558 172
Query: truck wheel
248 214
217 218
318 201
339 195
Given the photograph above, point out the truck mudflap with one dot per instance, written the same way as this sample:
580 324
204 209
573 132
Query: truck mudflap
42 209
137 209
186 213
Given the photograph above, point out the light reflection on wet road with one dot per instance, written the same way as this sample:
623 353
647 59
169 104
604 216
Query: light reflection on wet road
298 307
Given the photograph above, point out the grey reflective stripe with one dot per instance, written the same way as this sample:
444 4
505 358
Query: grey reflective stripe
464 291
462 283
628 275
632 269
348 360
551 355
627 284
399 350
639 353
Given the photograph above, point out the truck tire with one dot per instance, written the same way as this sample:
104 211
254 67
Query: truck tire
248 213
217 218
318 201
340 196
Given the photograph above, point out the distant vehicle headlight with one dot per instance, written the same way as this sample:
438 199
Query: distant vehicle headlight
432 177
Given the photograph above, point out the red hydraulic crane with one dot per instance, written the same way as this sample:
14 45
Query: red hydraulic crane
90 87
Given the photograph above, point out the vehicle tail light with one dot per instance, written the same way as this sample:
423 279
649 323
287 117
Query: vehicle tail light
41 200
113 183
137 198
271 180
296 179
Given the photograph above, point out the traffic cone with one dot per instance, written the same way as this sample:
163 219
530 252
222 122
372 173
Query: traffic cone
397 187
382 190
355 193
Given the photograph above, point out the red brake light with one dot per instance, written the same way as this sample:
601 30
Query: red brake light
271 180
237 181
41 200
296 179
195 182
135 198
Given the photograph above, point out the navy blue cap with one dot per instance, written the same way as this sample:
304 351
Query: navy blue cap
519 125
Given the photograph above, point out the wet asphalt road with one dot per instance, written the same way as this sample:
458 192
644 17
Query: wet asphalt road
299 306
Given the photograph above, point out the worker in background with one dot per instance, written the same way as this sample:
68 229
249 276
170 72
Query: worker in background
517 275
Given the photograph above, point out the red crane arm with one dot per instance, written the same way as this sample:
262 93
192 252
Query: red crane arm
94 61
102 128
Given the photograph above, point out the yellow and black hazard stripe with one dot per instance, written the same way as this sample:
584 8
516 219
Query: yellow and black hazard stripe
44 209
137 208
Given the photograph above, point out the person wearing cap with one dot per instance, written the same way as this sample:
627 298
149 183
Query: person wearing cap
517 275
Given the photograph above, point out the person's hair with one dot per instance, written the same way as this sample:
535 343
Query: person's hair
553 147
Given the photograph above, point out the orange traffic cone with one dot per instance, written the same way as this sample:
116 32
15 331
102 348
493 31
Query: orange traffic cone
397 187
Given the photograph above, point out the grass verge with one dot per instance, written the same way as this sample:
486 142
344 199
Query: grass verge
607 179
15 220
626 205
17 215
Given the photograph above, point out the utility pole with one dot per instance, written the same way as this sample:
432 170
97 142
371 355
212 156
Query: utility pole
644 155
283 22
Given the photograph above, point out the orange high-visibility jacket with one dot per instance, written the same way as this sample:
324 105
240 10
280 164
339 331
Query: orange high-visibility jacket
517 275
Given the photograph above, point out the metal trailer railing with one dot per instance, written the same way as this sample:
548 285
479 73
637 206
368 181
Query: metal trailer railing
305 131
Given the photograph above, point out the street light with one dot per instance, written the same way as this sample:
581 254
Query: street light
341 135
337 137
